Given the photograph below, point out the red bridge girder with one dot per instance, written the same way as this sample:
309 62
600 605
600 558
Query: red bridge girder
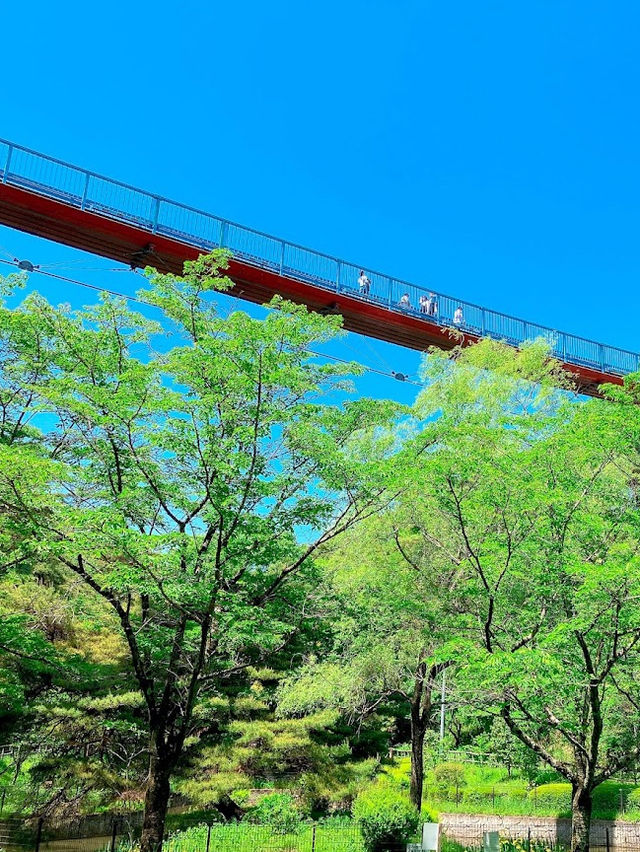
83 229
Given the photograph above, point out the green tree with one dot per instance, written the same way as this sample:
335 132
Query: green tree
192 483
391 640
532 497
509 750
25 471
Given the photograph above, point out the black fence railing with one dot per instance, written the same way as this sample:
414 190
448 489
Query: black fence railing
122 834
464 835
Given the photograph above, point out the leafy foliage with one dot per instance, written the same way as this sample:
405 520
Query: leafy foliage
185 487
279 812
385 817
448 779
213 578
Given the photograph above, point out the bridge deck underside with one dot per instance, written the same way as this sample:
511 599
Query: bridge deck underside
128 244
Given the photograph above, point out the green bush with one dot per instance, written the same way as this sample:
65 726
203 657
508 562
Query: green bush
606 797
277 810
448 780
400 772
633 799
333 789
385 817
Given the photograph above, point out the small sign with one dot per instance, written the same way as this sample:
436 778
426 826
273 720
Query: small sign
414 847
491 841
431 837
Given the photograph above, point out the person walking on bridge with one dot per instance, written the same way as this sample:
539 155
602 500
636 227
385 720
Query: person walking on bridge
364 284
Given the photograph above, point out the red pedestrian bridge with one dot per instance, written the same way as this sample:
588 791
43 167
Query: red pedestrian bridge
61 202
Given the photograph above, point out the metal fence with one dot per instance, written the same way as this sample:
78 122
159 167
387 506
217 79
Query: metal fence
154 214
48 835
536 837
42 835
475 839
530 835
245 837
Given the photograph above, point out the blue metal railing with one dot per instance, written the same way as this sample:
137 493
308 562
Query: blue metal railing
55 179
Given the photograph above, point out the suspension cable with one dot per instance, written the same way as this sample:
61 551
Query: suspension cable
391 374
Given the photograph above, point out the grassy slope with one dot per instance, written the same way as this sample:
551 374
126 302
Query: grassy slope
489 790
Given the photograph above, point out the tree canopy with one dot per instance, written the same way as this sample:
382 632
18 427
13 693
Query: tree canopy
188 485
217 563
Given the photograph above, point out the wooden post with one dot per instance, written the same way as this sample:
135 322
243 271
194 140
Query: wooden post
114 832
606 831
208 838
313 838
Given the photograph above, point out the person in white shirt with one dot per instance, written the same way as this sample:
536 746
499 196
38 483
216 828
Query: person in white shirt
364 284
458 319
425 305
433 305
405 302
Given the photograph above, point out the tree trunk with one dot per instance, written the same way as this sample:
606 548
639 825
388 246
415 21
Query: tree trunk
156 802
418 731
581 807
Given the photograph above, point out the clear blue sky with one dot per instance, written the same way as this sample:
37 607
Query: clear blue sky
487 149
